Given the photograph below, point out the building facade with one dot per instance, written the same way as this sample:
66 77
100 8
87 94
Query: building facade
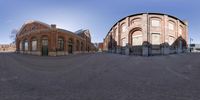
38 38
147 34
7 48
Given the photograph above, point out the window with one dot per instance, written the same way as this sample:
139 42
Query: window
124 28
45 42
60 44
116 34
34 45
180 31
26 45
155 39
171 26
171 40
20 46
136 22
155 23
137 40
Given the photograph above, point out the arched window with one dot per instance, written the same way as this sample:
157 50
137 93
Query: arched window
60 44
171 25
136 21
180 30
123 28
21 46
34 44
137 40
26 45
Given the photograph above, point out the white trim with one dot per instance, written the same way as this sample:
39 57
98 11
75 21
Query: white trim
136 36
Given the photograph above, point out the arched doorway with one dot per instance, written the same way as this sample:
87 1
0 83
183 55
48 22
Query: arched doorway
33 44
70 46
45 46
136 41
25 45
136 38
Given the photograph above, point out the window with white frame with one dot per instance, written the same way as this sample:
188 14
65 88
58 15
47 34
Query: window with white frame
155 23
171 26
60 44
137 40
124 28
116 34
26 45
34 45
180 31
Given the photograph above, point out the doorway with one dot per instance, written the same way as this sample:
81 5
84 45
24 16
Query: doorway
45 47
70 46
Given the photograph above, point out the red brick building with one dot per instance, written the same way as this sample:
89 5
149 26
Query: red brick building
38 38
7 48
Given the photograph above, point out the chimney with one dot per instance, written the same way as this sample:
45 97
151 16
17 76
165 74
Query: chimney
53 25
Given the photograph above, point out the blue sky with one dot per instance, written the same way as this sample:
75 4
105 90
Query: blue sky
96 15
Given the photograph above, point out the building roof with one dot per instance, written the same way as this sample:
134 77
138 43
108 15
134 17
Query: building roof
142 14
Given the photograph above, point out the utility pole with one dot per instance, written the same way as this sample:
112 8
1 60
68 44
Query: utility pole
190 43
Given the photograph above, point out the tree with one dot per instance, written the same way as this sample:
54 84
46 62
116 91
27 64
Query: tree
13 35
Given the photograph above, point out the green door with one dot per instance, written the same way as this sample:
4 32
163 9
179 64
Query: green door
44 50
45 47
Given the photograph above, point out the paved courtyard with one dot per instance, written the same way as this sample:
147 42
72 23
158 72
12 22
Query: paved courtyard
99 76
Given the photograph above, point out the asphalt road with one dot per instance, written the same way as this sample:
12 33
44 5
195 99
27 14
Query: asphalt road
99 76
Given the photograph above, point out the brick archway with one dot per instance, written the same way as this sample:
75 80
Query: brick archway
131 32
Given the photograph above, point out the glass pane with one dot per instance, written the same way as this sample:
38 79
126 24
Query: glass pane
34 45
26 46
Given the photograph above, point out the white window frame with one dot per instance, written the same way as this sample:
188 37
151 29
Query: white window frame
171 26
34 45
155 23
26 45
138 42
124 28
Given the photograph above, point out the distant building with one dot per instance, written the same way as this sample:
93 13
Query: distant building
100 47
38 38
195 47
147 34
7 48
